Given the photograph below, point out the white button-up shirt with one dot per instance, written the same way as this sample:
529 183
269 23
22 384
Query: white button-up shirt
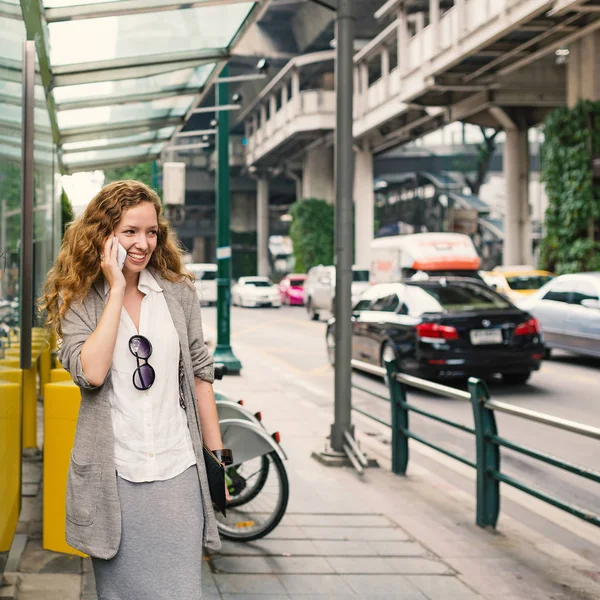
152 439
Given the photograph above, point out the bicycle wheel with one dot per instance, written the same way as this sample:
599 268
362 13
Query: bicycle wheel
258 515
243 485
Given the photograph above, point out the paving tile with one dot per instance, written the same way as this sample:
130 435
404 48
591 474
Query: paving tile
288 533
268 547
344 548
37 586
419 566
354 533
442 588
249 584
272 564
383 586
322 596
363 564
318 585
88 583
338 520
397 548
37 560
252 597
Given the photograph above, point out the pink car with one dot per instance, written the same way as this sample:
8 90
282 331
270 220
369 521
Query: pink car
291 290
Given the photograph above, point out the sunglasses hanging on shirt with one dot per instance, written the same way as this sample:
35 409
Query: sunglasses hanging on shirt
144 375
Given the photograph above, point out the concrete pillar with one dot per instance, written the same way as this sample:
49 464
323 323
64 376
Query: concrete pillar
296 99
364 207
583 69
385 68
317 174
434 21
517 225
402 38
262 226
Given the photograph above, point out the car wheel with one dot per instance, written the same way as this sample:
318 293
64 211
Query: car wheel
387 354
516 378
330 341
314 315
547 353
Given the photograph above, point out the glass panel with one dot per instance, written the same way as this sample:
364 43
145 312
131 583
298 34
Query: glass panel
192 78
145 34
112 155
128 140
59 3
166 107
12 90
12 38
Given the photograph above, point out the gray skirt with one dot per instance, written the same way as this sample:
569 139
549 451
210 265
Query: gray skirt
160 556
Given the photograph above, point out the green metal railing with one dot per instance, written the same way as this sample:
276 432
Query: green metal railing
487 441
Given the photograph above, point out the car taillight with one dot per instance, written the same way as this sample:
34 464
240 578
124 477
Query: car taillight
531 327
436 331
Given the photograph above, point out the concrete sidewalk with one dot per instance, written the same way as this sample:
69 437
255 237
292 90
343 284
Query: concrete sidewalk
382 536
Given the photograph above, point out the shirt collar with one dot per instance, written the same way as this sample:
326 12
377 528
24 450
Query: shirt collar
146 282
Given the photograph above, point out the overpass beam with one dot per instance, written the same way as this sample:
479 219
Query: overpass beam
364 206
262 226
517 223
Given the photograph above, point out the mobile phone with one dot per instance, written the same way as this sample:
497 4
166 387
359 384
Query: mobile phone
121 256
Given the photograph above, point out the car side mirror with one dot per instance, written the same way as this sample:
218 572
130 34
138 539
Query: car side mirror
591 303
356 314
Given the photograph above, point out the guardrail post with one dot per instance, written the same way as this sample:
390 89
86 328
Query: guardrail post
399 421
488 455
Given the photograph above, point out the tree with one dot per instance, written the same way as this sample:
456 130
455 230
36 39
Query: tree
485 151
312 233
144 172
66 211
572 141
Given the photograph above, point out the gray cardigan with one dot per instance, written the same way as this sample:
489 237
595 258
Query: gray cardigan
93 510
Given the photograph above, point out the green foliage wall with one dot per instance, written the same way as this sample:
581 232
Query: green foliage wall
145 172
312 233
572 140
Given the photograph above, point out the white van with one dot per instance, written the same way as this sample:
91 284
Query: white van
400 257
206 281
319 288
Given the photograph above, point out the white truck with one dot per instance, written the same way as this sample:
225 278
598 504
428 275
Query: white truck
400 257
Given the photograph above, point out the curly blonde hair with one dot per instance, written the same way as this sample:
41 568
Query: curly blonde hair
78 262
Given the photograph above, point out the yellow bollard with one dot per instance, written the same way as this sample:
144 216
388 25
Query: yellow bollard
29 408
57 375
10 362
44 365
10 459
61 408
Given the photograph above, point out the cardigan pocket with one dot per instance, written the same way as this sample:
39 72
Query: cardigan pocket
83 486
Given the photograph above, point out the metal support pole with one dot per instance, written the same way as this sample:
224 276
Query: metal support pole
26 274
223 352
344 232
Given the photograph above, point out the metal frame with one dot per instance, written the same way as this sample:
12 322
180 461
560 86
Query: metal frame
488 441
126 7
37 29
27 191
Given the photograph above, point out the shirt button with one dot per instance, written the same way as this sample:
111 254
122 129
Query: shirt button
150 454
147 424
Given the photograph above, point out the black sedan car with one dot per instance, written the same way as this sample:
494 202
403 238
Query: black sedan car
443 328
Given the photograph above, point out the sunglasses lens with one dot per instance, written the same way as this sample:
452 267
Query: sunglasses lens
140 346
143 378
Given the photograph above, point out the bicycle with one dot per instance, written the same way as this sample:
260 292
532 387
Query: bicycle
257 480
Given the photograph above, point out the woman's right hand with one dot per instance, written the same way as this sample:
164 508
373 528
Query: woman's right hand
110 266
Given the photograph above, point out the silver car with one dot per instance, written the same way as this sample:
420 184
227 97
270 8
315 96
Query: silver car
568 310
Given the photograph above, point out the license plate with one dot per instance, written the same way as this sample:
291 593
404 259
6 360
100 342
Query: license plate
479 337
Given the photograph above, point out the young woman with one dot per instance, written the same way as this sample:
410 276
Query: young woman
138 500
